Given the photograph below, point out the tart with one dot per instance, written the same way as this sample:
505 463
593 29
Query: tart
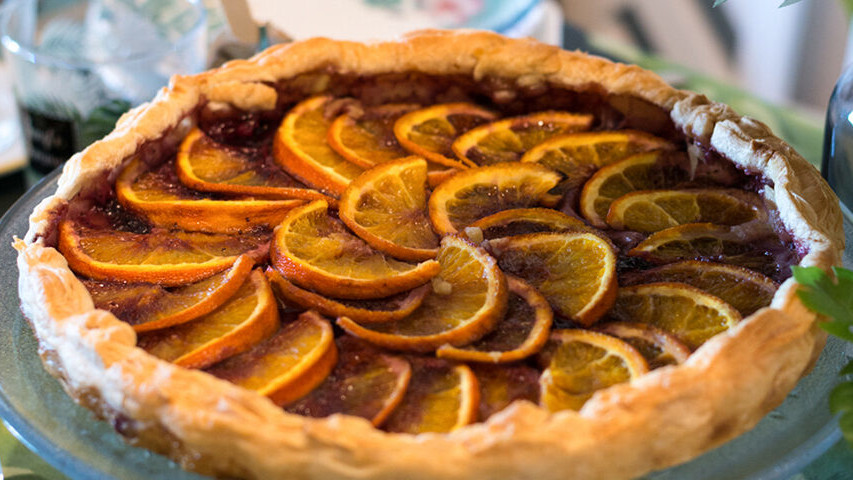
203 410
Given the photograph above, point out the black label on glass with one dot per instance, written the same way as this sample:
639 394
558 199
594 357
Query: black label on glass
49 140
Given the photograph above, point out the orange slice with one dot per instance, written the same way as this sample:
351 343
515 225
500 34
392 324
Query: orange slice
657 347
706 241
508 139
289 364
149 306
643 171
430 132
479 192
655 210
247 318
386 207
366 137
518 221
365 383
469 297
582 362
501 385
740 287
166 258
315 251
151 195
578 155
575 271
300 148
441 397
362 311
690 314
205 165
521 333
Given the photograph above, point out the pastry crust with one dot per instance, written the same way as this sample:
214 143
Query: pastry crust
663 418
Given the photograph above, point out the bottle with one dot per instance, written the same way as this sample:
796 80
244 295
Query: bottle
837 162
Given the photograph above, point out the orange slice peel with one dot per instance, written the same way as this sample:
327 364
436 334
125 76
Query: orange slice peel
289 364
316 251
247 318
688 313
362 311
479 192
469 296
521 333
506 140
300 148
575 270
168 259
386 207
581 362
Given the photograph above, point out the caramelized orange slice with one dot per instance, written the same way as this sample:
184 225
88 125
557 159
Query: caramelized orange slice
518 221
430 132
386 207
521 333
469 297
741 288
300 148
582 362
508 139
706 241
575 271
690 314
655 210
316 251
441 397
362 311
247 318
289 364
578 155
657 347
365 383
501 385
643 171
148 306
151 195
366 137
166 258
479 192
204 165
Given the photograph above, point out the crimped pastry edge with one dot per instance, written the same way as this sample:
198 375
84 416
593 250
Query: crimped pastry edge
661 419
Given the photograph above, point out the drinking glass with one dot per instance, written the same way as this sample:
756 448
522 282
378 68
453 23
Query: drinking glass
77 65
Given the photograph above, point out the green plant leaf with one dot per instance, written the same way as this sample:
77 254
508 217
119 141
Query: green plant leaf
846 424
841 398
717 3
847 370
832 298
789 2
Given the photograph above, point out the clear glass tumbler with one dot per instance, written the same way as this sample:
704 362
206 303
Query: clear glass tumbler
77 65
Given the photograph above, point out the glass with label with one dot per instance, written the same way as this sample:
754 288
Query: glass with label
77 65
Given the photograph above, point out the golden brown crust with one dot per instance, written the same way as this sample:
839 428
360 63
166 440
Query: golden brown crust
663 418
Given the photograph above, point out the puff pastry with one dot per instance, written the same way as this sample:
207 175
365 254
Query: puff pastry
663 418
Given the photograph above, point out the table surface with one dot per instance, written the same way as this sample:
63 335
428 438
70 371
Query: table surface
801 129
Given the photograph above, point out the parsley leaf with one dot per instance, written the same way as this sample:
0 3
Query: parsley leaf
833 298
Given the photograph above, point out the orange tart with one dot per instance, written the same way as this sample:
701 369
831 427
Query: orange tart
350 260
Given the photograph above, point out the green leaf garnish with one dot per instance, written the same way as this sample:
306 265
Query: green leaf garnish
833 298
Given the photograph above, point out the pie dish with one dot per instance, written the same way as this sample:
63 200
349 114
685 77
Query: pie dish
660 419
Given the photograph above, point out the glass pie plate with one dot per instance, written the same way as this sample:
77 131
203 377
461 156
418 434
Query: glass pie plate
39 413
